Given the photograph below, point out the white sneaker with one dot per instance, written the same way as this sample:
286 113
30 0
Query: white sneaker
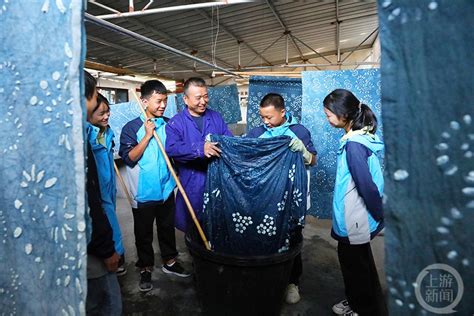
292 294
342 308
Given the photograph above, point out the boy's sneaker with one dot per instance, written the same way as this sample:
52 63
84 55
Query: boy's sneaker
292 294
121 270
351 313
342 308
175 269
145 281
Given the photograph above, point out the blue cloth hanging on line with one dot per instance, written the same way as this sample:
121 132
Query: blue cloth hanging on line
223 99
365 84
44 222
255 196
289 88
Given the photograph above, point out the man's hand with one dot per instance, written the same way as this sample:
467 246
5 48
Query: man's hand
112 262
149 128
211 150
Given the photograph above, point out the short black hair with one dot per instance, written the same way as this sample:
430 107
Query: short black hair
273 99
193 81
101 99
152 86
90 84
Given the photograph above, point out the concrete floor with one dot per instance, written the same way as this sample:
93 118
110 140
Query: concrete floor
321 284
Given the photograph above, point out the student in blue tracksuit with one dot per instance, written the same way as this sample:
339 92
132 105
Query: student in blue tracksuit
277 122
103 289
357 205
151 185
101 139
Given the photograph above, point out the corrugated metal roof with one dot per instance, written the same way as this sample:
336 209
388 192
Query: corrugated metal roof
254 23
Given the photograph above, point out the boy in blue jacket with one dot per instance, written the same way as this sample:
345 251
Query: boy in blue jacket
277 122
151 185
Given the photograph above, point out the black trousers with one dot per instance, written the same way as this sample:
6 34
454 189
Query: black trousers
363 289
297 269
143 219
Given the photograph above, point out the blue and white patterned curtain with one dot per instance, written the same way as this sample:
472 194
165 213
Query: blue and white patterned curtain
223 99
289 88
42 164
428 114
121 114
365 84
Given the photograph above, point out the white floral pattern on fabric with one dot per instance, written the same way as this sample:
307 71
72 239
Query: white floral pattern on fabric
285 247
281 205
297 197
241 222
267 227
291 173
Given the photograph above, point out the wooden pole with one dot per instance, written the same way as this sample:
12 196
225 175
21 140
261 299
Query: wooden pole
178 183
124 187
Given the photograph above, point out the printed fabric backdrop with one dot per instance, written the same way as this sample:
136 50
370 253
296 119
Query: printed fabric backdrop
223 99
288 88
239 216
365 84
428 114
42 172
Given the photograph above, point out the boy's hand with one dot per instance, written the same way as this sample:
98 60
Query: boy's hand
211 150
297 145
111 263
149 128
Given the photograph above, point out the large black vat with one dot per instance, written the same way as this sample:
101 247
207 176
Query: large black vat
236 285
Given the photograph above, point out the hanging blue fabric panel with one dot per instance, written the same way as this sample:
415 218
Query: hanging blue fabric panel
289 88
171 107
365 84
255 196
223 99
180 102
42 164
121 114
429 135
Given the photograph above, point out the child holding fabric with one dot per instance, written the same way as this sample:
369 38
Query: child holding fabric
357 205
277 122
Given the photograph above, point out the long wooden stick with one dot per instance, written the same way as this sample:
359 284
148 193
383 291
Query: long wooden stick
178 183
124 187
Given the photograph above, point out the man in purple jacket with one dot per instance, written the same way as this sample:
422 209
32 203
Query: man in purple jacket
186 143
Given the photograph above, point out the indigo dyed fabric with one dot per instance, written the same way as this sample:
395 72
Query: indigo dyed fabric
42 164
255 196
223 99
289 88
121 114
365 84
429 135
